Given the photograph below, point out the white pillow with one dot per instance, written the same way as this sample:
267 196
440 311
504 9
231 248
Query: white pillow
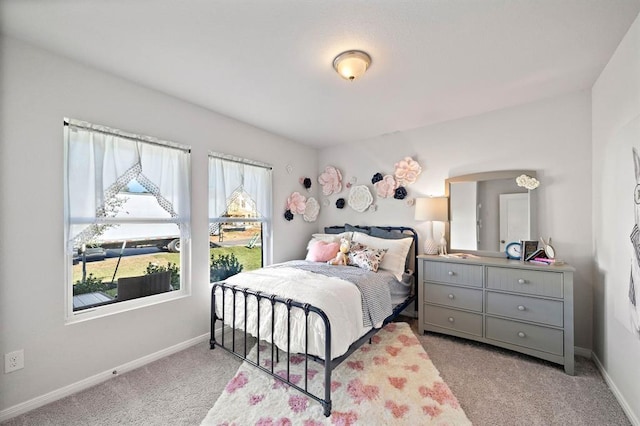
395 258
328 238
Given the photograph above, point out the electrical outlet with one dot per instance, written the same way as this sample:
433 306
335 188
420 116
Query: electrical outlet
13 361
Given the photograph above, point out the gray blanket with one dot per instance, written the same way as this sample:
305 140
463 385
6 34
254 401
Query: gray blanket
374 286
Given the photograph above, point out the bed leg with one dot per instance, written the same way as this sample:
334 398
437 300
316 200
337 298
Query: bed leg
327 409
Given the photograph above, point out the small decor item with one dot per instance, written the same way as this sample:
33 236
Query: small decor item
386 187
288 215
410 201
526 181
376 178
326 202
297 203
340 203
400 193
528 248
342 258
407 171
549 251
306 182
289 169
373 208
330 180
311 210
514 251
360 198
442 247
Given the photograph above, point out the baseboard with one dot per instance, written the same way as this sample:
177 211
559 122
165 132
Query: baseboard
583 352
614 389
57 394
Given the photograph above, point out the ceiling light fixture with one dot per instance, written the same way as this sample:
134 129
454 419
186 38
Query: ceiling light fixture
351 64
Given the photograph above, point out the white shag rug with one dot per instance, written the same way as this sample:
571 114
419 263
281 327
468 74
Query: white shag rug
389 382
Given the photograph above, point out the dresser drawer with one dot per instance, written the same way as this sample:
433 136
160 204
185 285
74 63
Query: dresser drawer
465 322
453 273
542 283
456 297
527 335
525 308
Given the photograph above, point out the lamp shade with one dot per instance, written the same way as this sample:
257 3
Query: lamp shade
434 209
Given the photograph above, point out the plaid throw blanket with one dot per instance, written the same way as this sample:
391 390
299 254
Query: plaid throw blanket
374 286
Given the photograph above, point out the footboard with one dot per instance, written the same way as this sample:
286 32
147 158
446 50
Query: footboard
273 301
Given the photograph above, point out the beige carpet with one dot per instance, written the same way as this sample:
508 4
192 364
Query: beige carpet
389 382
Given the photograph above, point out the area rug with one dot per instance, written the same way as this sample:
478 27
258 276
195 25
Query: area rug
388 382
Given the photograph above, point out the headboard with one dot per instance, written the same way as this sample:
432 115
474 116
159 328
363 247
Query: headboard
392 232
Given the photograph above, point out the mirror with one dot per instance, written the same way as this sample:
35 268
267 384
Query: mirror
489 210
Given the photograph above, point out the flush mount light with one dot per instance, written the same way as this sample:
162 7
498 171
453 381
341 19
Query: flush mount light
351 64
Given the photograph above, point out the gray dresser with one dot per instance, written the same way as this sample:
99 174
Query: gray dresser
515 305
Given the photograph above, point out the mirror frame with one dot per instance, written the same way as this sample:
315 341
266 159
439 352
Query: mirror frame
484 176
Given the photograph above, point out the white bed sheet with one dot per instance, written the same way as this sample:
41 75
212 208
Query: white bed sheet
340 300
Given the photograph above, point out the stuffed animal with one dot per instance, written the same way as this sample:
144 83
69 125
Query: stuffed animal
342 256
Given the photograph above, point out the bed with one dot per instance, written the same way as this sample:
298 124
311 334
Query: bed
308 307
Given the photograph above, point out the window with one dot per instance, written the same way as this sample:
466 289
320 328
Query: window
239 215
127 219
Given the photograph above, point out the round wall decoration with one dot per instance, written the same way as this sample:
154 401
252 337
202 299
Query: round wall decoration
311 210
360 198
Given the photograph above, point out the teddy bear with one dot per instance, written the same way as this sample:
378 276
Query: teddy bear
342 255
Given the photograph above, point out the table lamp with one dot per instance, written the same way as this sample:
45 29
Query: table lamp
432 209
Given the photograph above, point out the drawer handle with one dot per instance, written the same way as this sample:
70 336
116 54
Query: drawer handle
451 319
451 296
521 334
521 308
451 273
522 281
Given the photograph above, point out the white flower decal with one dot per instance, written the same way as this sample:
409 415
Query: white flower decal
526 181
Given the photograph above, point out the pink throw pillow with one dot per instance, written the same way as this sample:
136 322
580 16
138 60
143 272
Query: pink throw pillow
321 251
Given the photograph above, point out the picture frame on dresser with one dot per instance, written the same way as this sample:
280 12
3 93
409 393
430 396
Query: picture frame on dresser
521 306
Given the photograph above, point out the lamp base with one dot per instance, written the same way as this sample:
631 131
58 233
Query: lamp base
430 246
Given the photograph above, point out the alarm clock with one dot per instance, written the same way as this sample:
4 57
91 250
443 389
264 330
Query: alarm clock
513 251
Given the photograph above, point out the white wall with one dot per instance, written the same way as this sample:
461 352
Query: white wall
616 129
38 89
552 137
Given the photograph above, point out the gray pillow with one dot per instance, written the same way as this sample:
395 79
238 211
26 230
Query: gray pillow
351 228
389 235
334 230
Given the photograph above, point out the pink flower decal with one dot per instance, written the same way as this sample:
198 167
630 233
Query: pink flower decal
431 410
386 187
390 328
398 411
365 349
331 180
293 378
356 365
392 350
408 341
298 403
397 382
297 203
344 419
254 399
237 382
361 392
376 339
415 368
440 393
380 360
407 171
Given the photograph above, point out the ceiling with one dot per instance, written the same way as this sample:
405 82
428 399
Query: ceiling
269 62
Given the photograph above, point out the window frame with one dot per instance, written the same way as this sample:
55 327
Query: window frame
72 316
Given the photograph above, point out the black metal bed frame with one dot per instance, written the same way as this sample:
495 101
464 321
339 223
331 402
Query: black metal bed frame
328 363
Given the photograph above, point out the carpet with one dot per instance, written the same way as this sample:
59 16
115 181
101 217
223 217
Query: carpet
389 382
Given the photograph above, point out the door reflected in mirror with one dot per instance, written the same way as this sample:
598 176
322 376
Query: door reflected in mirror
489 210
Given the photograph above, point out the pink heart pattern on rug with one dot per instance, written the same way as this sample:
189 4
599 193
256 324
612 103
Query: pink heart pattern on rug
393 382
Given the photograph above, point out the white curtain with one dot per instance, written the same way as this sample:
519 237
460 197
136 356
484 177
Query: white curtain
102 162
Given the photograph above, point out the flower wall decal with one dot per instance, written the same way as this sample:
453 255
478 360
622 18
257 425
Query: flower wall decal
330 180
340 203
296 203
376 178
311 210
407 171
527 181
360 198
288 215
400 193
386 187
